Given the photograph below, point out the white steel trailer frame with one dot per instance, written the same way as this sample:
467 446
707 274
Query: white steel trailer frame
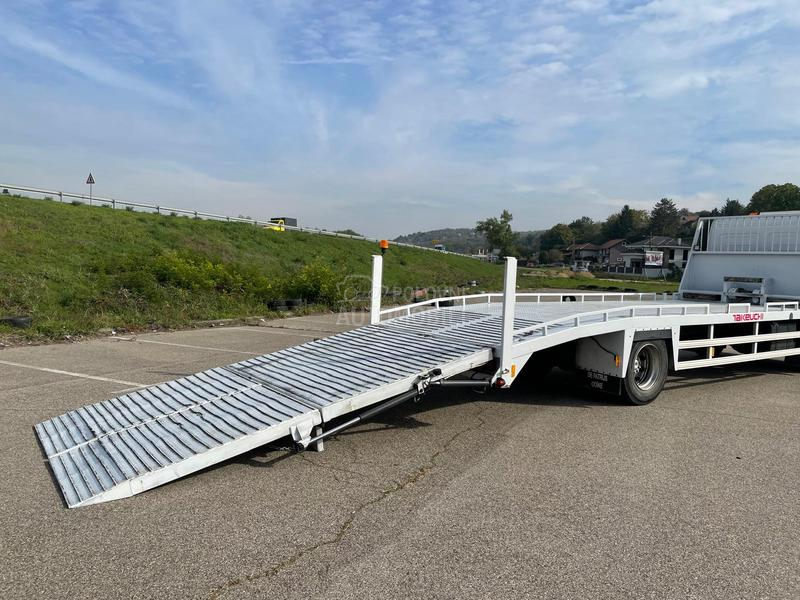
637 316
143 439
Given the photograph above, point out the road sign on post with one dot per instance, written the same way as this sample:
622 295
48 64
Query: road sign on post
90 183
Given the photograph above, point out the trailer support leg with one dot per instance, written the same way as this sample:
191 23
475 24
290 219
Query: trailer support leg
319 445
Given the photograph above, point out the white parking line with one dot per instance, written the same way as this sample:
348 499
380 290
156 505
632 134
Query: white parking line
124 339
275 330
71 374
303 321
130 389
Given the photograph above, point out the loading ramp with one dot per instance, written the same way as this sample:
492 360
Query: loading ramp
148 437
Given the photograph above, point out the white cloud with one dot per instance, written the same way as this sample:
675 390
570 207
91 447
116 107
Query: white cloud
89 67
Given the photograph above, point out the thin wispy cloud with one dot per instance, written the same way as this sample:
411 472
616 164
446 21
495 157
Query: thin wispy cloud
390 117
93 70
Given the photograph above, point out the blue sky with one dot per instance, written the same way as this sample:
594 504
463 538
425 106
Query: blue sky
393 117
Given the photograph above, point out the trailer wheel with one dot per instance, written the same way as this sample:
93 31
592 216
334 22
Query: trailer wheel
647 371
793 361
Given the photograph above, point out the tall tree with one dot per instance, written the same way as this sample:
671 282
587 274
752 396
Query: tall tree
627 224
528 243
550 256
585 230
665 218
776 197
498 233
732 208
557 237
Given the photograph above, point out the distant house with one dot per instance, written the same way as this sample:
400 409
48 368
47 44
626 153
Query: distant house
610 253
689 218
482 254
581 252
643 257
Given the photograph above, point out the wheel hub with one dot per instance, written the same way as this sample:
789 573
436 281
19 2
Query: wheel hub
644 372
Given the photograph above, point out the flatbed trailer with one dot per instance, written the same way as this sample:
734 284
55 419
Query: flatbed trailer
741 290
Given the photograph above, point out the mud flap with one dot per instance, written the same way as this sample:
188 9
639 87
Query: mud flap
603 382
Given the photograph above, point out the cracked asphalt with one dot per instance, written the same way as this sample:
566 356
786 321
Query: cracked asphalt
553 492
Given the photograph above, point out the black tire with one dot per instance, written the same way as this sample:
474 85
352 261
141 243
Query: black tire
793 362
19 322
647 372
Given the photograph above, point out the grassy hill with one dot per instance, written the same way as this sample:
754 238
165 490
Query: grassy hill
462 240
77 269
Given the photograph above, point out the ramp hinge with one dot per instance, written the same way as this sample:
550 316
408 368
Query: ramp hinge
425 381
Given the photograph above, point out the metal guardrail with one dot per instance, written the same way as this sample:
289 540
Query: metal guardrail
57 195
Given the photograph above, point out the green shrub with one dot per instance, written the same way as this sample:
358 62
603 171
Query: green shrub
316 283
143 283
192 273
196 272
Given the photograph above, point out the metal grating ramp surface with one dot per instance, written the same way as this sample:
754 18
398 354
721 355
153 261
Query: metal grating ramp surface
122 446
459 324
143 439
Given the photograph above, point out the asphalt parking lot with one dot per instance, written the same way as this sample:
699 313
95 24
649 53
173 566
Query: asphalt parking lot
548 493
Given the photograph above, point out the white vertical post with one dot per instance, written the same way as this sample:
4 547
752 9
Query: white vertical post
509 304
377 288
710 350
